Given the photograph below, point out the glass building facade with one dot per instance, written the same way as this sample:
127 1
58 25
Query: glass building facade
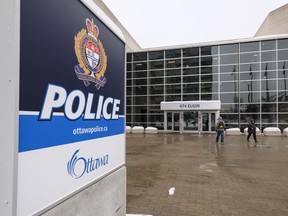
249 78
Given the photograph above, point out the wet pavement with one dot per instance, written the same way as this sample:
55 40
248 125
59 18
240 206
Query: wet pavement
236 179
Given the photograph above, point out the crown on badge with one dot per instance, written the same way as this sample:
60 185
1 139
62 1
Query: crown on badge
92 29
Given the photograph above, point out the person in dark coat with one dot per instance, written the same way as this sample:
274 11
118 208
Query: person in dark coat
220 128
252 130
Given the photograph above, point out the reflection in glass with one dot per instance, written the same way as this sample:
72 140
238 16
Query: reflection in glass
229 108
268 85
209 78
140 81
269 118
142 74
283 96
283 107
158 81
268 65
140 109
211 60
282 55
210 96
250 75
228 86
245 118
228 68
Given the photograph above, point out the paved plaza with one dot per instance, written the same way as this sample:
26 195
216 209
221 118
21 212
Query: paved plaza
239 178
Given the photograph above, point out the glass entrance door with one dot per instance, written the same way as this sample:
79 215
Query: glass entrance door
173 121
208 122
190 121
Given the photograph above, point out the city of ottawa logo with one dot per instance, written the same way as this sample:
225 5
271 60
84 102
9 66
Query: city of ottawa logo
91 56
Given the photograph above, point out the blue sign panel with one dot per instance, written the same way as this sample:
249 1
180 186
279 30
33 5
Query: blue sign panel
72 101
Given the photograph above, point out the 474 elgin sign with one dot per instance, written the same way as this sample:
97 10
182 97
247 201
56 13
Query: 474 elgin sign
91 56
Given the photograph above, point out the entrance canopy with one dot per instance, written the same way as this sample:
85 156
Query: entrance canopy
211 105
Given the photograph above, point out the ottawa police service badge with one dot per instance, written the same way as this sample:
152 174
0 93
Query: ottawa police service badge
90 55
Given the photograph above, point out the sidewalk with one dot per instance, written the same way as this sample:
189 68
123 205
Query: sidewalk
236 179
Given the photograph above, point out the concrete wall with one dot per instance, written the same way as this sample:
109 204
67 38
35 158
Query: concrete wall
104 198
275 23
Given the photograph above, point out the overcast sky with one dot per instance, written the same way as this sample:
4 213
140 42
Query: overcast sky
157 23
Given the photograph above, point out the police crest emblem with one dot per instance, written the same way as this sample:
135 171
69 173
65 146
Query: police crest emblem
91 56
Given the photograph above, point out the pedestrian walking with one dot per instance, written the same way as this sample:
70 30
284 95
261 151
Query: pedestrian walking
252 130
220 128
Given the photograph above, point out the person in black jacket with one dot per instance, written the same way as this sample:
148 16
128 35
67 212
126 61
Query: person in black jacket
252 130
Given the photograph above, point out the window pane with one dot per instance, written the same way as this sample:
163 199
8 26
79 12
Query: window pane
156 89
157 81
190 71
229 59
156 99
269 118
173 72
156 65
209 70
191 97
140 90
250 97
269 96
176 53
173 98
129 57
249 67
228 86
140 81
229 108
268 45
250 76
268 85
249 57
282 55
228 68
229 98
156 73
153 55
140 66
142 74
173 63
175 79
190 88
268 66
229 48
140 56
283 107
229 77
191 62
140 100
209 78
282 67
209 61
208 87
283 44
129 67
193 51
190 79
209 50
249 47
249 108
268 107
209 96
250 86
173 89
268 56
